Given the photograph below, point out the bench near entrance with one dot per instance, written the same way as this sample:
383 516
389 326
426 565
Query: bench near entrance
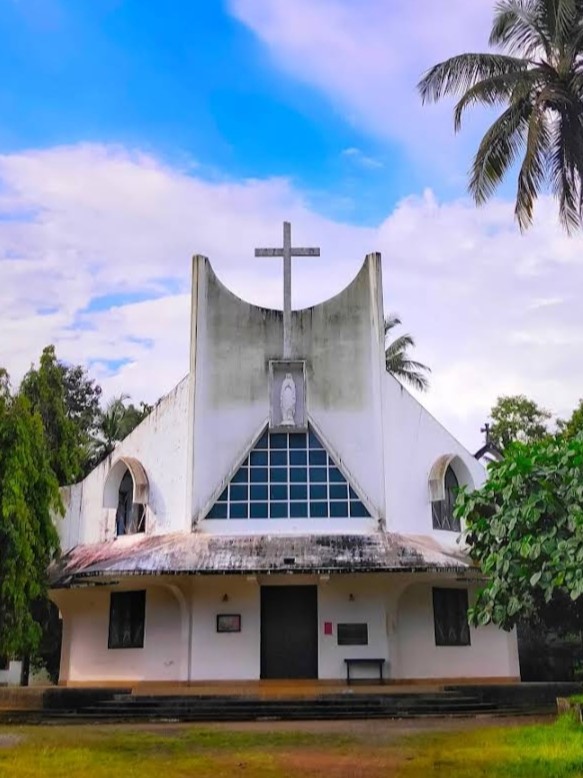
375 662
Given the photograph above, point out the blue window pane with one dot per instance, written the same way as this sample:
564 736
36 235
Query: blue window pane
357 510
218 511
263 441
298 475
298 510
318 492
278 492
241 476
239 492
258 492
258 475
352 494
314 442
339 509
278 440
338 492
319 510
298 492
298 440
278 474
278 458
319 475
336 476
239 510
318 458
278 510
258 510
298 457
224 496
258 457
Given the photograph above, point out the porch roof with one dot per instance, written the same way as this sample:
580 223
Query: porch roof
202 554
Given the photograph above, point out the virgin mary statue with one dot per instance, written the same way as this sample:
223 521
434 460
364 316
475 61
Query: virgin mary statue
287 401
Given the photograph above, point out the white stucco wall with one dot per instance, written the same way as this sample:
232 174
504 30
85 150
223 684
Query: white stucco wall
160 443
492 653
11 676
397 610
85 655
414 440
226 655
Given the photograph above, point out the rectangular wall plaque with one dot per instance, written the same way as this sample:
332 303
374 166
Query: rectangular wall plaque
228 622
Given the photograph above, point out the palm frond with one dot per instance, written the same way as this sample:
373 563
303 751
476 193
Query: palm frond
392 320
498 150
567 14
397 361
533 168
518 27
458 74
498 89
566 170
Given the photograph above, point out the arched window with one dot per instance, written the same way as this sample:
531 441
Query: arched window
129 516
443 517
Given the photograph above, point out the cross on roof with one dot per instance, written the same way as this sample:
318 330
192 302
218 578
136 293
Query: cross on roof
287 252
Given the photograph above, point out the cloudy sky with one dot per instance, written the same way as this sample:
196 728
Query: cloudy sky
134 134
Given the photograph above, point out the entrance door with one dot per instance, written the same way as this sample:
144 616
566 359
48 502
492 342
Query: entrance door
289 632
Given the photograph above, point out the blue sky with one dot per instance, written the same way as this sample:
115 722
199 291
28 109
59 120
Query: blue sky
192 83
135 133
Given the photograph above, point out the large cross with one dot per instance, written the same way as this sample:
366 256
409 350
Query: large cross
287 252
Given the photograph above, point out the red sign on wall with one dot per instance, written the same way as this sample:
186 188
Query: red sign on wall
327 627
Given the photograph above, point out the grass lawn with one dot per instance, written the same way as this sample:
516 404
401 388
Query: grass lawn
374 749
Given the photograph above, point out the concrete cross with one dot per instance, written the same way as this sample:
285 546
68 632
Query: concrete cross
287 252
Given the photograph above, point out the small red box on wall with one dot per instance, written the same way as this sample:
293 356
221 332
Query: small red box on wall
327 627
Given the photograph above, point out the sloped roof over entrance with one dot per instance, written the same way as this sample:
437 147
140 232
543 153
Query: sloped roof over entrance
200 554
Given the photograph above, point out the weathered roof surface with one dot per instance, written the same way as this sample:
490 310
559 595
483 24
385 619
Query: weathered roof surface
197 553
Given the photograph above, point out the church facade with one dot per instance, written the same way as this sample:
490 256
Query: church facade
278 513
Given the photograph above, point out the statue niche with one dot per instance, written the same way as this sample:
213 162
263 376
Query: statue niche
287 401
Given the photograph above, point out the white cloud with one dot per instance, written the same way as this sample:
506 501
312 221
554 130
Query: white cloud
368 56
357 156
89 221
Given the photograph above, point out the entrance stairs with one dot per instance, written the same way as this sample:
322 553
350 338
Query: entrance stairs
217 707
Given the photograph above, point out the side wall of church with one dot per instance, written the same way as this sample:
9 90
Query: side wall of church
340 340
160 443
86 657
414 440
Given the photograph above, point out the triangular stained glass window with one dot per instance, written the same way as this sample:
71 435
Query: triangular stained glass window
288 475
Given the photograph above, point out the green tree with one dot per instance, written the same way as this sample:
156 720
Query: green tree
115 423
516 418
537 77
69 404
45 388
397 360
572 426
525 529
29 497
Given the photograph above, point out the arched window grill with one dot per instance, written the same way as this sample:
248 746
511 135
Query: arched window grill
130 516
442 510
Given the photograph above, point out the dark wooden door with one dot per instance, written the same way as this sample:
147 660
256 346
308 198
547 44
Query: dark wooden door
289 632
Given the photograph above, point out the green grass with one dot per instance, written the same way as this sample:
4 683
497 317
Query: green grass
535 751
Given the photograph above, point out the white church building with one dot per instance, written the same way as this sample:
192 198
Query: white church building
284 511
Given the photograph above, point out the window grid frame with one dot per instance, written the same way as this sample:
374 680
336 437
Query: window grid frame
333 477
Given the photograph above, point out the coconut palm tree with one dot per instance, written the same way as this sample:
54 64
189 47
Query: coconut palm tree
397 361
115 423
538 78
